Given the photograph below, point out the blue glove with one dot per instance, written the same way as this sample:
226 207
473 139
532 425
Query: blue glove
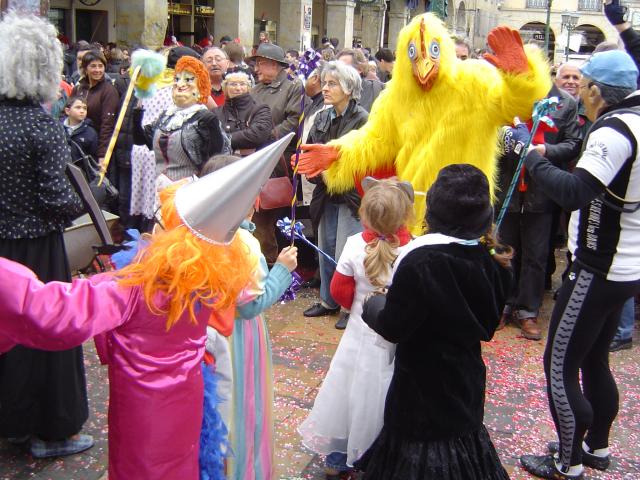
512 140
616 13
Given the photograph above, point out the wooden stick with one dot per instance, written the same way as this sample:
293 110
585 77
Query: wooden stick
116 130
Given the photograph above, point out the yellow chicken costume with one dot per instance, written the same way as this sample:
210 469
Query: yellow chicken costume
436 111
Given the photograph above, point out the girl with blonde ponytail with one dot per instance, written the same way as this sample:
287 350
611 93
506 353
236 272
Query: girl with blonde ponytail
348 412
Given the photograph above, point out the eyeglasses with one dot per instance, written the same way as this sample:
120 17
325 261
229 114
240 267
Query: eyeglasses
331 84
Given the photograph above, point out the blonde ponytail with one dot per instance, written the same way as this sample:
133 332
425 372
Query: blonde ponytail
385 209
380 255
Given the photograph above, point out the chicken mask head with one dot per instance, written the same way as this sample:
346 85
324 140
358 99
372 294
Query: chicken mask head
425 47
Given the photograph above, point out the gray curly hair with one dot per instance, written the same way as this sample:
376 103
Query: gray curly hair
31 54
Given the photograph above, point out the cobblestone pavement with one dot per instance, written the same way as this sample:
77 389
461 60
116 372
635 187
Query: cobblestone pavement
516 411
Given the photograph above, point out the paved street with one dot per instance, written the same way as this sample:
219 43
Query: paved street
516 411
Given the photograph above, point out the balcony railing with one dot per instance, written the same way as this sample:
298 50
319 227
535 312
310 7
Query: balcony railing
537 4
590 5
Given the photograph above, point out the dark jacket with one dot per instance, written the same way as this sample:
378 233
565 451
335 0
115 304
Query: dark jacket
562 148
313 104
444 300
326 127
35 196
125 142
631 40
82 139
247 122
370 91
103 104
202 135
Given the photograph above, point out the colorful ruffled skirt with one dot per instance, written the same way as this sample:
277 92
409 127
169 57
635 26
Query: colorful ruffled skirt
251 429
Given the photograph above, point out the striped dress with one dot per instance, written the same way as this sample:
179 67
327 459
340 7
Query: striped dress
251 428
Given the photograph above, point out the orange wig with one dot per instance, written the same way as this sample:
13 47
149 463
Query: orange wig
195 66
185 269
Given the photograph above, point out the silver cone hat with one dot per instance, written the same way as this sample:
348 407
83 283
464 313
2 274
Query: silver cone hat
214 206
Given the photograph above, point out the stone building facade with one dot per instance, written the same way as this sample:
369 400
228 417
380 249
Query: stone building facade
302 23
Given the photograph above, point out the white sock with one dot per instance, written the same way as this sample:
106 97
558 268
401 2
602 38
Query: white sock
573 471
600 452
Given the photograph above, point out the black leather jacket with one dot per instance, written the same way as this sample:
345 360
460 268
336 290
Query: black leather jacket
202 136
326 127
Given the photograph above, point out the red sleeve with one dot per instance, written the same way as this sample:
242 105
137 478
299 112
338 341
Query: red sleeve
343 288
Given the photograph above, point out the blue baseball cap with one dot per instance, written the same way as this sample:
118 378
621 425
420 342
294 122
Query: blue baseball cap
614 68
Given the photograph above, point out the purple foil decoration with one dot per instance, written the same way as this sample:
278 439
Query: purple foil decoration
290 293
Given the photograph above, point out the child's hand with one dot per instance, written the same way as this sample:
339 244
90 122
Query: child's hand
289 258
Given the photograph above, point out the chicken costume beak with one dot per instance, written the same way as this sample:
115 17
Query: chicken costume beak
425 59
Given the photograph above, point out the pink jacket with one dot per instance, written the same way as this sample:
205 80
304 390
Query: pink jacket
155 381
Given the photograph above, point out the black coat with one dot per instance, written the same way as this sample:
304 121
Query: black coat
444 300
202 136
35 196
562 148
247 122
326 127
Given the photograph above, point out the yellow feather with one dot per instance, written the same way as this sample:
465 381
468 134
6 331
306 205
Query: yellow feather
455 121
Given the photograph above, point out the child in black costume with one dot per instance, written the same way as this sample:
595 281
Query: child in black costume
446 296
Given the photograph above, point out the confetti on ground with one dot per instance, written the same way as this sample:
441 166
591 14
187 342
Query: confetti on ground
516 412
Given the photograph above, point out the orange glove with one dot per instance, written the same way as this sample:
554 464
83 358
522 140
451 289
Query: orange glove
507 45
315 159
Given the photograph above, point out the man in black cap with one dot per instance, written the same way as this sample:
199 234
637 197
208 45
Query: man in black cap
283 97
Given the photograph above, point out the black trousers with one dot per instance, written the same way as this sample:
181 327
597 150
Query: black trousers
528 234
42 393
584 320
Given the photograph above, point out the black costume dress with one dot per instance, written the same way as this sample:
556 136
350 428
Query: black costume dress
41 393
444 299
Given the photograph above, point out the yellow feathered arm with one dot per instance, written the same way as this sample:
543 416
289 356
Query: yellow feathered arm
438 111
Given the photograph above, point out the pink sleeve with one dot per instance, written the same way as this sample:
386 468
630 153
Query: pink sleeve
55 315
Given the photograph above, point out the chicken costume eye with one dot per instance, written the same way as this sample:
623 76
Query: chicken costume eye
434 49
412 51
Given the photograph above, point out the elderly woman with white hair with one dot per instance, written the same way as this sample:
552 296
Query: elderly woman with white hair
43 395
247 122
336 216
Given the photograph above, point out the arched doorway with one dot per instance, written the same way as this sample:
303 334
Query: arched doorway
533 32
461 20
591 37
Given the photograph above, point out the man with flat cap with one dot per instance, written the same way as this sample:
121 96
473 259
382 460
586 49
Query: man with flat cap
283 97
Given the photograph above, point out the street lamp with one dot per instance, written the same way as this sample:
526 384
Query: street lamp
569 23
547 28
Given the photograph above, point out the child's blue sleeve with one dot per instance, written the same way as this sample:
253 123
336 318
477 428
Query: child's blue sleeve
277 281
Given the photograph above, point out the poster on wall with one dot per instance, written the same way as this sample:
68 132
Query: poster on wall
306 21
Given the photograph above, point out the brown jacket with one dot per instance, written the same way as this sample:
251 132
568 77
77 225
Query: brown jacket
283 97
103 104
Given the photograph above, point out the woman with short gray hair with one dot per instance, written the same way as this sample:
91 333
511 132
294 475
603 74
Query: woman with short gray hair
43 395
335 215
347 76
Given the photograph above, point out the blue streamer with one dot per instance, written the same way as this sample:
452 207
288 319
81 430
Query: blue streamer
296 231
540 112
